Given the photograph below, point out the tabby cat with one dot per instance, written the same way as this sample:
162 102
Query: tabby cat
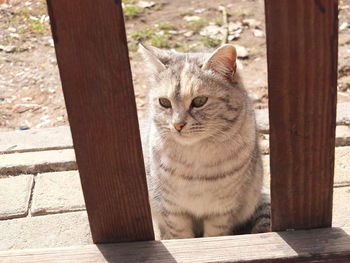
200 143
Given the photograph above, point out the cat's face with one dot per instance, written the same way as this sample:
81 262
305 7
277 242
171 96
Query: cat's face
189 99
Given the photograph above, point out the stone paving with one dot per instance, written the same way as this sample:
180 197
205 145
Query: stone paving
15 196
41 200
64 195
57 230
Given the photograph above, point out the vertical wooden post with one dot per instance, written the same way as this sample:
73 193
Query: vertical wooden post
302 39
94 67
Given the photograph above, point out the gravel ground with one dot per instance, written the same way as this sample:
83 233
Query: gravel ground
30 90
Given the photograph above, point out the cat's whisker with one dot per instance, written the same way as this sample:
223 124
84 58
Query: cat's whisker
224 134
196 128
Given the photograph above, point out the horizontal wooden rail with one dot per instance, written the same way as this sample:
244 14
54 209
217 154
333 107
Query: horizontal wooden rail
318 245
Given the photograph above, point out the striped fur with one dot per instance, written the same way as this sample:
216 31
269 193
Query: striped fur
205 180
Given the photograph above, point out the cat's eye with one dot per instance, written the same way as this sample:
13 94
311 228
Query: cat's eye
199 101
165 103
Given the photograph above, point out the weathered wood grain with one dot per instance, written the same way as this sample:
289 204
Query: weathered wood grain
302 74
318 245
93 62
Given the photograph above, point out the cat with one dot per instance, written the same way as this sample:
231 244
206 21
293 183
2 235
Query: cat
200 143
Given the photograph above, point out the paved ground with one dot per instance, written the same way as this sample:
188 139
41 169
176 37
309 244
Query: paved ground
41 201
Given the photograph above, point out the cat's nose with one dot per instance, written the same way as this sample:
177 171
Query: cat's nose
179 126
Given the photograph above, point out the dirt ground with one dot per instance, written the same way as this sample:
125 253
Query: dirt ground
30 89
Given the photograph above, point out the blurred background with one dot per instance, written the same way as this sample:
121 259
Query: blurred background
30 89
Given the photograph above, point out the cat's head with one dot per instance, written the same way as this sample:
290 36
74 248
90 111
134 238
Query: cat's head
194 96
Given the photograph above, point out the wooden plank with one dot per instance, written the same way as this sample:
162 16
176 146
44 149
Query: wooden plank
302 74
93 61
318 245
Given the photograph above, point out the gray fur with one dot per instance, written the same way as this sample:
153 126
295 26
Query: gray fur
205 180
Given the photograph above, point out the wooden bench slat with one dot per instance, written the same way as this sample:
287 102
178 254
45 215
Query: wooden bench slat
302 41
318 245
93 62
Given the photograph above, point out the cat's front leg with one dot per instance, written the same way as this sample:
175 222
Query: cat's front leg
177 226
218 225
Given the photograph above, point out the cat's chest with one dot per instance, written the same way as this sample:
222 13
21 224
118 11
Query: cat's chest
203 197
194 162
198 165
201 182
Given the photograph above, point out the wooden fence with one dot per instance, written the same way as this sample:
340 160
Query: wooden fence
302 39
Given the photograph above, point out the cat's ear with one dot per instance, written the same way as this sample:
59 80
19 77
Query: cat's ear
222 61
153 57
